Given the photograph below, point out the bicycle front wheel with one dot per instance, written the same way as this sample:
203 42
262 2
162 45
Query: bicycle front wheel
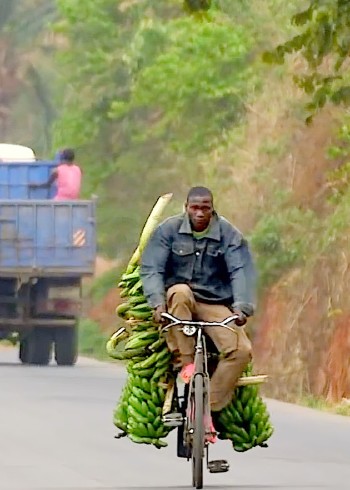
198 434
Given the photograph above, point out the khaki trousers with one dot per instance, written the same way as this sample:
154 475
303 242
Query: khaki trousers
234 346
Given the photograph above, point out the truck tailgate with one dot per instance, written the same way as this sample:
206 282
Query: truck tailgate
47 237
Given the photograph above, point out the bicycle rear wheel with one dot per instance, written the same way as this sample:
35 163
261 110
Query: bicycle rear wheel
198 434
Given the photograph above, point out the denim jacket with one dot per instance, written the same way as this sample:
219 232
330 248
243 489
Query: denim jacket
218 268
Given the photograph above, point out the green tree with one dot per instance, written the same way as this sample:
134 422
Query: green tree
324 42
145 88
23 46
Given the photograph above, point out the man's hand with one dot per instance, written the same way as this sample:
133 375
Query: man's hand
241 320
157 312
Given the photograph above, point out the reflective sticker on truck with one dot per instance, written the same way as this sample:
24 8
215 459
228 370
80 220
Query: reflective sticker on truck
79 238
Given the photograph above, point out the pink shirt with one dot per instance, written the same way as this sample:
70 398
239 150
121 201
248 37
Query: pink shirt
68 182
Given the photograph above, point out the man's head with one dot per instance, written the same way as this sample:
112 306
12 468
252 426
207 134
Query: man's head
67 155
199 207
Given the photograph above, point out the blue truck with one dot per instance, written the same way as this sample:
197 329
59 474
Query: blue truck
46 248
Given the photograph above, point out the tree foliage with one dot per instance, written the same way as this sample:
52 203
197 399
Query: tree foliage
139 80
23 80
324 42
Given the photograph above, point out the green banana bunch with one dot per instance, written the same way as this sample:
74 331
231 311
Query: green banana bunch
245 421
120 414
116 338
139 410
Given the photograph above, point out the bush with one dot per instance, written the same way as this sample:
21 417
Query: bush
280 240
92 341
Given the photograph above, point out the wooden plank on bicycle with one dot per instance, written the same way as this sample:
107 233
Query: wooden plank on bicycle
252 380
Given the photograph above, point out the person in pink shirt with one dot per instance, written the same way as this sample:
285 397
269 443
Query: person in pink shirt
67 176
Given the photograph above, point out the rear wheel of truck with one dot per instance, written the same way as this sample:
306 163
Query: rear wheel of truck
37 347
66 345
23 351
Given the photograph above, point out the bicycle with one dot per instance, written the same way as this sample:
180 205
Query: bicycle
194 417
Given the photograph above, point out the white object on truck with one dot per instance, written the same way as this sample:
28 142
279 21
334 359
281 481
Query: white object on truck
16 153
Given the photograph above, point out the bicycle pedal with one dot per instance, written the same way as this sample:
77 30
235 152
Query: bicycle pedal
173 419
218 466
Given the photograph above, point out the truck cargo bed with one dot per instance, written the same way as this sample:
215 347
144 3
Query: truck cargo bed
15 180
46 237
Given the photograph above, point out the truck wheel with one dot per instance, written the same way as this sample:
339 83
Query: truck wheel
66 345
23 351
37 347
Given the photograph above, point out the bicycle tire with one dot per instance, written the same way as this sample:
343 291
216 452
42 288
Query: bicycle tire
198 435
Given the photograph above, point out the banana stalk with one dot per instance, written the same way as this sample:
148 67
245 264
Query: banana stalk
148 229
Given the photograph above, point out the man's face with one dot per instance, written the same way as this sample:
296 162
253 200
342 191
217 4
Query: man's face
200 211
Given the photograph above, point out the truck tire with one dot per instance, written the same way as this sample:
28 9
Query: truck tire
66 345
23 351
37 347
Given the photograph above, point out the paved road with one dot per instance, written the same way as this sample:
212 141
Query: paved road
56 433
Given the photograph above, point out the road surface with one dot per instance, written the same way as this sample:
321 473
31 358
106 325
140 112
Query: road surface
56 433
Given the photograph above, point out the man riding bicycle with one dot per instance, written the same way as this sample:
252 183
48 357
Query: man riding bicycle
198 266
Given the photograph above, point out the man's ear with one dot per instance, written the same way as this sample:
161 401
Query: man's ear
185 207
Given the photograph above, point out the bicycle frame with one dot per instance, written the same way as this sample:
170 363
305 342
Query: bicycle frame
190 328
198 406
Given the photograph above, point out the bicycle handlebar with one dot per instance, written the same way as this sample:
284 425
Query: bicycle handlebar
199 324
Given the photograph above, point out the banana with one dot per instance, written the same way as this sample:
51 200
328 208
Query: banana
152 407
141 307
152 433
145 372
132 276
133 353
122 309
145 409
136 300
139 393
120 356
146 385
246 413
158 424
157 344
140 315
140 340
238 405
142 326
135 403
256 417
155 398
237 417
136 415
141 430
163 356
263 437
240 431
140 440
159 443
224 420
160 371
161 394
135 380
117 337
136 288
252 431
160 431
244 395
235 438
148 362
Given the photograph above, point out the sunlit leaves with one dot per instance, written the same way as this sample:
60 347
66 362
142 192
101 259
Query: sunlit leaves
324 42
